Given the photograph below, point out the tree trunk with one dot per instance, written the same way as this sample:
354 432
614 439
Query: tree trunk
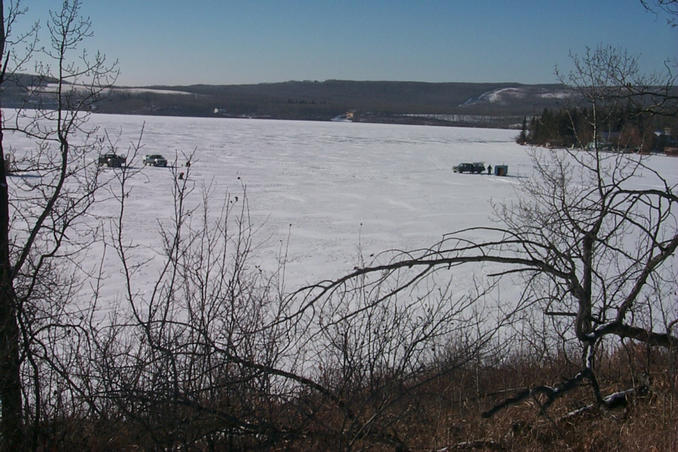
10 383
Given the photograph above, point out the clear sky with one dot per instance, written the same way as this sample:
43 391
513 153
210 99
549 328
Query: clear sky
252 41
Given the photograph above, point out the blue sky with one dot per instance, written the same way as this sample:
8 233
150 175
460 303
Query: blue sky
252 41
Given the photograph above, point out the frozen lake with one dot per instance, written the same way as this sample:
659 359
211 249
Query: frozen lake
332 188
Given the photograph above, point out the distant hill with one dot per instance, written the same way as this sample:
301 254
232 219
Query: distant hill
477 104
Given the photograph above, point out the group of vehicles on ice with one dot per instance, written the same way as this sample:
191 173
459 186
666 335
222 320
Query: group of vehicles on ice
109 159
479 167
114 160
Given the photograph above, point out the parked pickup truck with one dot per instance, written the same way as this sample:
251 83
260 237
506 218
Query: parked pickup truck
112 159
155 160
475 167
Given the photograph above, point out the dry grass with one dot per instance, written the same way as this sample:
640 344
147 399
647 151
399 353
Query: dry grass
443 414
648 421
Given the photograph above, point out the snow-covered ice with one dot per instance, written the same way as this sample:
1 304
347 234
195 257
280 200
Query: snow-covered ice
330 187
333 186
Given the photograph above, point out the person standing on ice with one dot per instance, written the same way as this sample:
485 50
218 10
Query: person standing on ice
489 169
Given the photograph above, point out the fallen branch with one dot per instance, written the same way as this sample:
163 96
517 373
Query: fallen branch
612 401
551 393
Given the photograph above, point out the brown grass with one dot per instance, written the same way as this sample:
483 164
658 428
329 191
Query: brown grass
442 414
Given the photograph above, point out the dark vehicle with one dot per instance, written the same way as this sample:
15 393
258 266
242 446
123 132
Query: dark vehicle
155 160
475 167
112 160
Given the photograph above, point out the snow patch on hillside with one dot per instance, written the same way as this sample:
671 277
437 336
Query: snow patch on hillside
556 95
504 96
52 88
498 96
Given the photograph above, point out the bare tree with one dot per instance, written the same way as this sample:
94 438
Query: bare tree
44 202
669 7
593 246
213 353
609 78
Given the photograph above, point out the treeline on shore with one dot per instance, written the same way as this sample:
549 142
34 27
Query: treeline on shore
628 129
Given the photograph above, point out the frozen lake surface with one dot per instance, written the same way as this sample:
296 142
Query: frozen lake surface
331 189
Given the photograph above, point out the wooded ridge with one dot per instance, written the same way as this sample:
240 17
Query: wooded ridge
479 104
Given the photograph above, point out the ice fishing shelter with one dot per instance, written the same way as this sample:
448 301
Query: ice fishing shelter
501 170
